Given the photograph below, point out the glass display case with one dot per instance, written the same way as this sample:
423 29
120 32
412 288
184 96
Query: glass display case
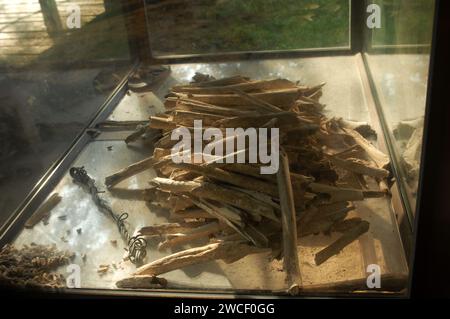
102 192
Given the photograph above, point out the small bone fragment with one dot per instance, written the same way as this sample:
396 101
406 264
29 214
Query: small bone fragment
346 239
43 211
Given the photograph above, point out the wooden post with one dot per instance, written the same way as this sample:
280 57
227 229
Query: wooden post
136 25
51 17
289 225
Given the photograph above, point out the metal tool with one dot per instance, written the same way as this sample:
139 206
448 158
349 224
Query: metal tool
136 244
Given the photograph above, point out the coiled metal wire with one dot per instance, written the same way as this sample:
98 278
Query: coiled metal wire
137 245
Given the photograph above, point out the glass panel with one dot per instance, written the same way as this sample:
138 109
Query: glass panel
217 26
404 23
314 213
59 60
398 57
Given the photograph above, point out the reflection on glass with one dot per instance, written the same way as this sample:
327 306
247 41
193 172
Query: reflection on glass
398 56
51 82
215 26
404 23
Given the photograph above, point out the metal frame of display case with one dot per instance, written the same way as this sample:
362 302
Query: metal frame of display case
13 226
431 221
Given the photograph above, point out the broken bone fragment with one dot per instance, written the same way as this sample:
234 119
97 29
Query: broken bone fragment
233 206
